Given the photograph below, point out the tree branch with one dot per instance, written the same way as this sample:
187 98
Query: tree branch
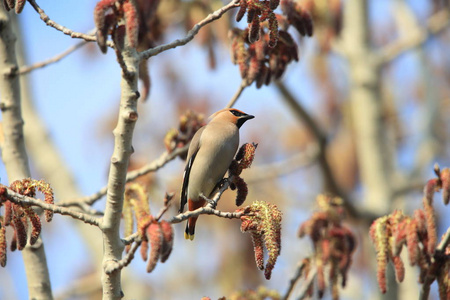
191 34
444 242
132 175
308 283
24 200
119 265
14 155
237 94
123 136
209 209
65 30
435 24
298 272
27 69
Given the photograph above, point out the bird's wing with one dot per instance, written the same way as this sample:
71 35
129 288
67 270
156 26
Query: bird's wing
192 153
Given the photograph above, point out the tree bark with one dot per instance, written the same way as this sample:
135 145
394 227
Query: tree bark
14 154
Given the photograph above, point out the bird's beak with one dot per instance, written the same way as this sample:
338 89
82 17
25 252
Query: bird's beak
241 120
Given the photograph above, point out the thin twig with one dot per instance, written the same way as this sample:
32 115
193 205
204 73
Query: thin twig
444 242
167 203
150 167
298 272
307 284
65 30
206 210
27 69
131 238
191 34
114 266
209 209
237 94
24 200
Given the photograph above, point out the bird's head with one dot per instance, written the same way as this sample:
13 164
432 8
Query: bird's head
231 115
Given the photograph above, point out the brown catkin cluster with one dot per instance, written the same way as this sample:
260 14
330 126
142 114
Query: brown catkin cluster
334 245
107 16
243 160
21 217
190 123
263 221
156 234
391 233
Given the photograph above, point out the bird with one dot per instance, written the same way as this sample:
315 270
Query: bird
210 154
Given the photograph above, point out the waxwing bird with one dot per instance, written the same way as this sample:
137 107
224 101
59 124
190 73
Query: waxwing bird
209 156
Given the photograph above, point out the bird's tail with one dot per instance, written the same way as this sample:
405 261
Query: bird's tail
190 228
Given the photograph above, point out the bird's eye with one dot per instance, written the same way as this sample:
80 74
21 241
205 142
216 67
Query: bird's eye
237 113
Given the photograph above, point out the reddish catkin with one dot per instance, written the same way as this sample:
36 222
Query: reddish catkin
251 14
243 8
100 23
167 246
259 249
325 250
156 239
431 226
13 245
273 30
9 4
20 5
131 23
399 268
445 179
2 242
254 30
242 190
412 242
400 236
20 229
8 212
35 224
273 4
144 250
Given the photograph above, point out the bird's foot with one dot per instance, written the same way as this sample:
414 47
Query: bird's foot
211 202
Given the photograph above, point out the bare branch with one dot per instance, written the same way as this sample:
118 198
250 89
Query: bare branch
150 167
65 30
435 24
206 210
27 69
24 200
444 242
167 203
209 209
237 94
118 265
117 177
307 284
298 272
191 34
14 154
